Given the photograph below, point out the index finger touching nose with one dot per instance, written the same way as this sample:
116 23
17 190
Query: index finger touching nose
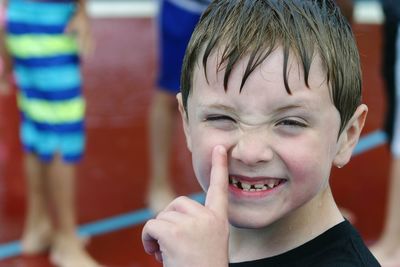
217 194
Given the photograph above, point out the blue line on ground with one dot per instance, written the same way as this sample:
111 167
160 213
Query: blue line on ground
123 221
370 141
12 249
104 226
9 250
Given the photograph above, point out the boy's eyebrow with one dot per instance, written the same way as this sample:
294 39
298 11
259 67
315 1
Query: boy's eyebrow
292 106
217 106
300 103
282 108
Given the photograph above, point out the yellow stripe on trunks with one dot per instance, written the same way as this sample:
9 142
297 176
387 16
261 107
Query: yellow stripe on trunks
27 45
66 111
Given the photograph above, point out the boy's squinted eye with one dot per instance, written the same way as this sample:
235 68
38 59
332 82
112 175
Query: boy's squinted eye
221 122
219 118
292 123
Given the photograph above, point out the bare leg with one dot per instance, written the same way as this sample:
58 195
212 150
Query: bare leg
38 229
162 117
387 249
67 250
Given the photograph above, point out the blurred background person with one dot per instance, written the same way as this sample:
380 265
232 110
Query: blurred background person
176 21
43 39
387 248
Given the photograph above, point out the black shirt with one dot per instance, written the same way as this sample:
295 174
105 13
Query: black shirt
340 246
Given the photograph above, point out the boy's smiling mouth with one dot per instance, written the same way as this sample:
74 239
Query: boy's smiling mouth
255 184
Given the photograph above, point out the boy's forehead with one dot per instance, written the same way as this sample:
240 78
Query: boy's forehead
271 69
264 88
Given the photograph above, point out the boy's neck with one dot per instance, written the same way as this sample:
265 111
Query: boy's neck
297 228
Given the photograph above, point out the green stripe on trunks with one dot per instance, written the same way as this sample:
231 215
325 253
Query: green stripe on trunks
58 112
27 45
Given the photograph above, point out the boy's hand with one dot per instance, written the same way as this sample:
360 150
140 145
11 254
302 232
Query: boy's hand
187 233
80 27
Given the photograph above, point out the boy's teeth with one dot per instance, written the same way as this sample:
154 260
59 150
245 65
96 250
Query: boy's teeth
246 186
271 184
259 186
253 187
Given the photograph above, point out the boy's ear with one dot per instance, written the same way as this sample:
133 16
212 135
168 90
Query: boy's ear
185 121
348 139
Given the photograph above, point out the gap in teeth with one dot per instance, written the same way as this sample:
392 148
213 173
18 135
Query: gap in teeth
252 187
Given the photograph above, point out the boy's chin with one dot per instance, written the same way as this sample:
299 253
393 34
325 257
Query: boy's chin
251 221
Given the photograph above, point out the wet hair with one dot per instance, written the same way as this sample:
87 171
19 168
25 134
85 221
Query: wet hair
255 28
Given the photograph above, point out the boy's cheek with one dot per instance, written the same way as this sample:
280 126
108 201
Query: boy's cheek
203 143
202 164
201 157
310 178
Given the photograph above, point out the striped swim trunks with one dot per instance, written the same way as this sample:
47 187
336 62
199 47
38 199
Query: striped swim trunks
48 75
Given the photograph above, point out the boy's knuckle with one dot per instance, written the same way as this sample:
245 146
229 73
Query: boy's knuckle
181 199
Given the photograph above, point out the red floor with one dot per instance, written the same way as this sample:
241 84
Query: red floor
113 175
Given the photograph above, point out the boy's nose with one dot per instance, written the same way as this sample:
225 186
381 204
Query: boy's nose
252 148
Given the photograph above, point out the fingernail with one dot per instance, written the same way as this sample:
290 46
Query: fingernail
220 149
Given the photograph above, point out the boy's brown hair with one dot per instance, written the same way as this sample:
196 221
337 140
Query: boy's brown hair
254 28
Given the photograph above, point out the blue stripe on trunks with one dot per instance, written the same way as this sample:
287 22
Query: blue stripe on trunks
72 158
51 1
43 157
72 144
72 127
48 78
32 93
34 12
17 28
50 61
48 157
48 142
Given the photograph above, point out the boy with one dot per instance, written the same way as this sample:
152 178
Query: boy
44 39
270 101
